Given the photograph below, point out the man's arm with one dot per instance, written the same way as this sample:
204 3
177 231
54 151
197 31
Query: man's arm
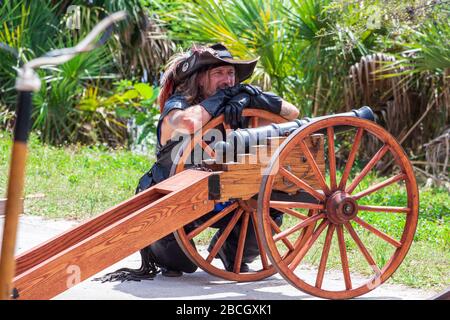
288 110
188 120
193 118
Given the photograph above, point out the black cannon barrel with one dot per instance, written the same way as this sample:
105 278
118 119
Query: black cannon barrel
239 141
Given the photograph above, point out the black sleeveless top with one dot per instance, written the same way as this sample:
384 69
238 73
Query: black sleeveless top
166 154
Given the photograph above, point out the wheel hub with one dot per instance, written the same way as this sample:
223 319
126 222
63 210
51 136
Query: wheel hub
341 207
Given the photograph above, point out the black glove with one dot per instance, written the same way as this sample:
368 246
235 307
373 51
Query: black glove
266 101
251 89
262 100
215 103
233 109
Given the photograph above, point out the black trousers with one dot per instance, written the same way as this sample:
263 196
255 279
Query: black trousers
166 252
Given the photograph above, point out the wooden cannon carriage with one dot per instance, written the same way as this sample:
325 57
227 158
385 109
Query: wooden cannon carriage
301 166
297 173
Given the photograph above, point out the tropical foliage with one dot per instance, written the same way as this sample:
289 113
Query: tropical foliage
331 56
325 56
62 112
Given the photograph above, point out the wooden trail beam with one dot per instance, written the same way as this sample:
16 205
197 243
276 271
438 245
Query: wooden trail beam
64 261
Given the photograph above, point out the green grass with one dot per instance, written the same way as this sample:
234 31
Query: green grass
80 182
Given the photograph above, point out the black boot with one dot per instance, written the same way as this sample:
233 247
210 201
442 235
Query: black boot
170 257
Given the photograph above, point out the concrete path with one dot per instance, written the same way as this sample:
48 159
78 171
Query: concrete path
199 285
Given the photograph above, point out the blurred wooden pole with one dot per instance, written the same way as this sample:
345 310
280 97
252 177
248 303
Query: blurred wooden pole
14 193
13 210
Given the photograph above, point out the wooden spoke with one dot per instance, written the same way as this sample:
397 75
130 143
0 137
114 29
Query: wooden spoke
304 250
241 243
377 232
297 227
384 209
208 149
344 259
254 122
304 234
293 213
380 185
324 258
301 184
224 235
262 250
301 238
211 221
332 158
309 157
362 248
380 153
287 243
351 158
294 204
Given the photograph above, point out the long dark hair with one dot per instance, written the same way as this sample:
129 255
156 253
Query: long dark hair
189 87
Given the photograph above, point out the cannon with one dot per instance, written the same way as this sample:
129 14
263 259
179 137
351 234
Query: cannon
304 170
240 141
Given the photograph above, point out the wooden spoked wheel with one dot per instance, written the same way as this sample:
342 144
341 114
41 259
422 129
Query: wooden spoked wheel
241 212
373 232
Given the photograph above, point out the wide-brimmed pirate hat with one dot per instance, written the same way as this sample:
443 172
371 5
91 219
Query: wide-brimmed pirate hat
215 55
